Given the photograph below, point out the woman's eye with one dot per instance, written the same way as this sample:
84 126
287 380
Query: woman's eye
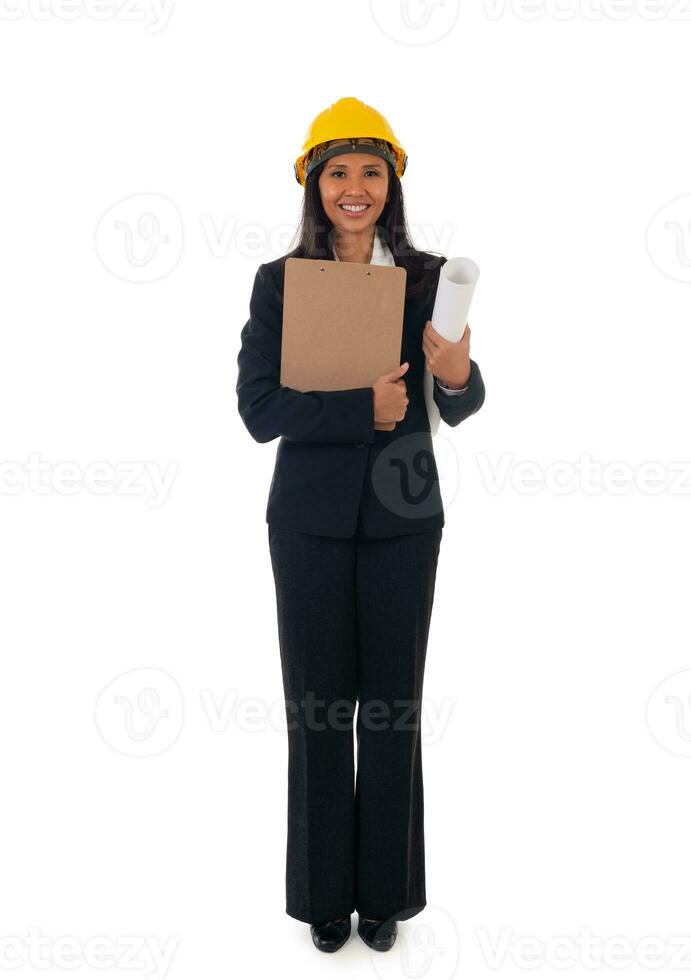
335 173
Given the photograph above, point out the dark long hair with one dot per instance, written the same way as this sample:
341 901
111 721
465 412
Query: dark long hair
315 233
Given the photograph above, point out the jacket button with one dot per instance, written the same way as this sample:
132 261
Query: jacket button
359 445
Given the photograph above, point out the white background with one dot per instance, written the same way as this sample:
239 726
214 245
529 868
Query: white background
545 142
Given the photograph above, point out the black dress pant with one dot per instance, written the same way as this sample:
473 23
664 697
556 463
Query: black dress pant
353 622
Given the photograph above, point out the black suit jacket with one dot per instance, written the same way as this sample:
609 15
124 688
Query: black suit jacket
331 463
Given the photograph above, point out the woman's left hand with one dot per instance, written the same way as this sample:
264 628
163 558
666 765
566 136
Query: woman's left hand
447 360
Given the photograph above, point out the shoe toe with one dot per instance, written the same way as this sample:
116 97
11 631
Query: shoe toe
330 935
378 934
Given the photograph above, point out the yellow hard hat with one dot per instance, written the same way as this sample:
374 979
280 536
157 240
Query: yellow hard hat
351 123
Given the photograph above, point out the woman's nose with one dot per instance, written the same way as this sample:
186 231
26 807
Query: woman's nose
354 187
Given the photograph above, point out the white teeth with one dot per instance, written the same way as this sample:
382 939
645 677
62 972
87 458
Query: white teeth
354 207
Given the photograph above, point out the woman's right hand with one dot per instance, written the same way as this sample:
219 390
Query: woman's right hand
390 395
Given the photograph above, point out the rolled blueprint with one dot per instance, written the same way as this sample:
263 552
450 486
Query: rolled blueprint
455 289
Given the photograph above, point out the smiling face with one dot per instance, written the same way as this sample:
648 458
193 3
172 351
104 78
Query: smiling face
354 191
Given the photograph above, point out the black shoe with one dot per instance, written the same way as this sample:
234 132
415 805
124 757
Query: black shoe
379 934
330 935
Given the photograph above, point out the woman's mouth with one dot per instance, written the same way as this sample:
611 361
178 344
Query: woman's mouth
354 210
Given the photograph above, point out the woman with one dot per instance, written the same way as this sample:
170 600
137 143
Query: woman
355 521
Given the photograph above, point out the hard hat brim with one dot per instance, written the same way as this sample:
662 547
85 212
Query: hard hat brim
317 156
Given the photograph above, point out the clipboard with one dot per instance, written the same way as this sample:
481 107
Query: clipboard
342 324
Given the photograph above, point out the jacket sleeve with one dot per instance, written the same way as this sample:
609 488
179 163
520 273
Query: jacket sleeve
457 407
269 409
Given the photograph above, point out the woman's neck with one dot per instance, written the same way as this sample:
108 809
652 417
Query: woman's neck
355 247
